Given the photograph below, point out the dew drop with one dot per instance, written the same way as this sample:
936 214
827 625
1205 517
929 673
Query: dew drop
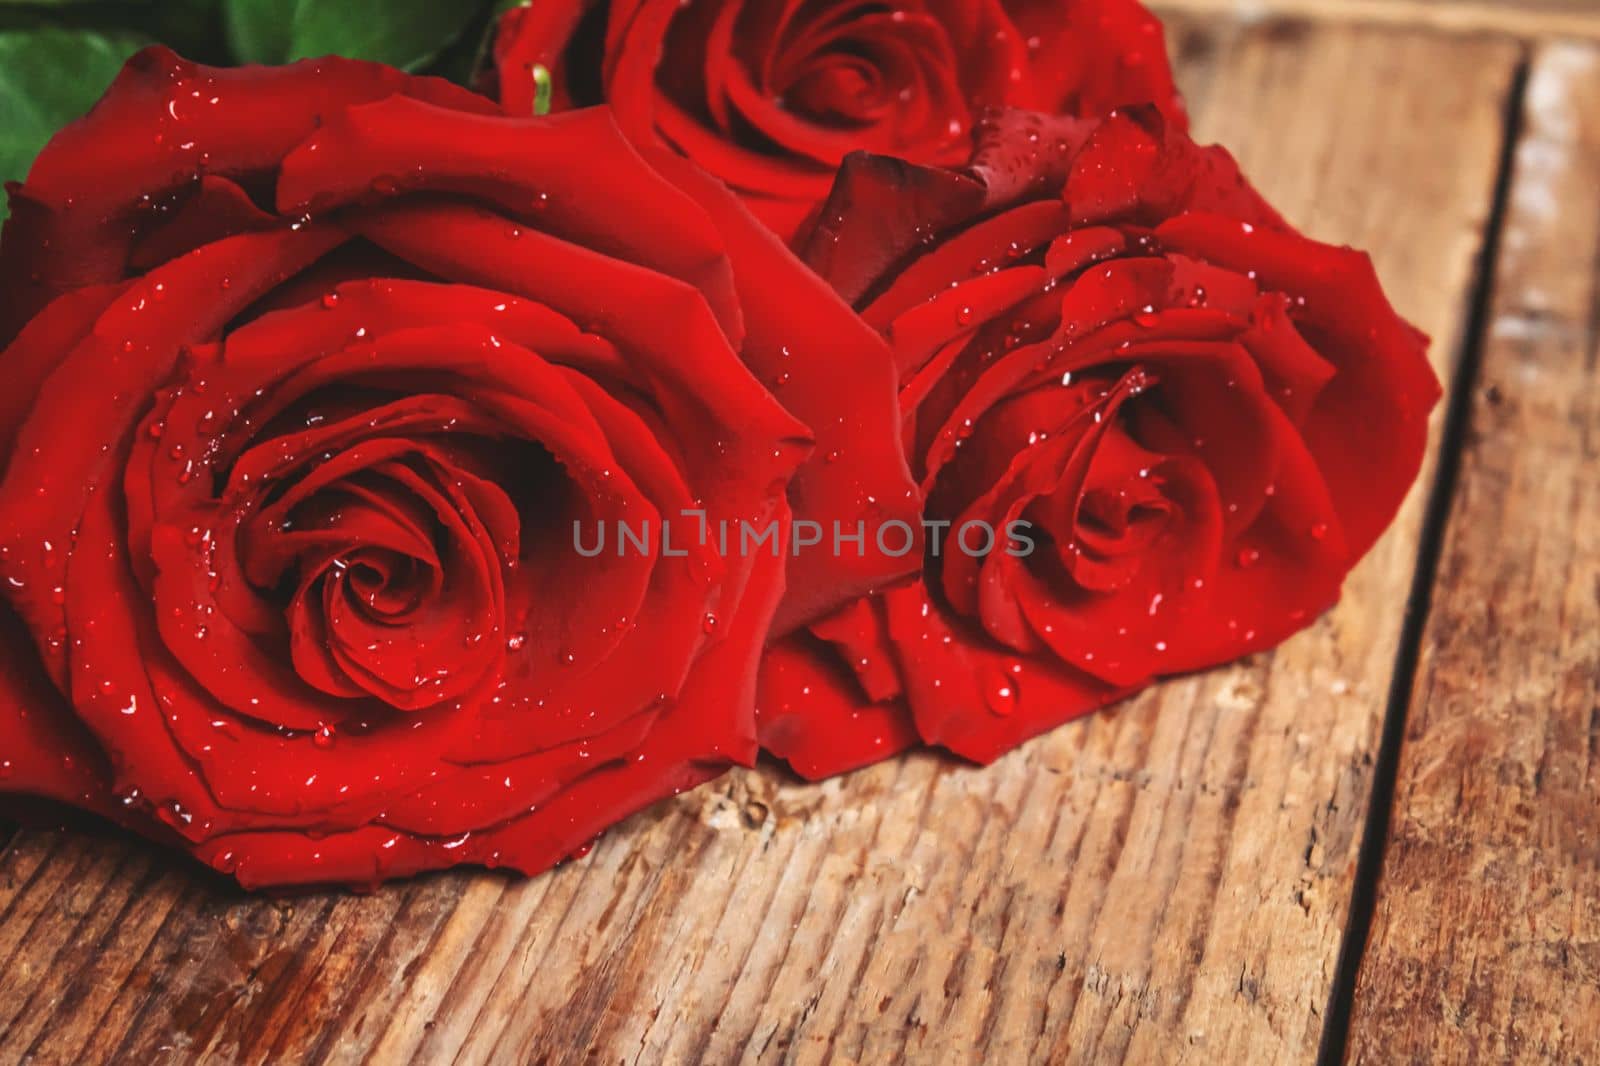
1002 698
1000 695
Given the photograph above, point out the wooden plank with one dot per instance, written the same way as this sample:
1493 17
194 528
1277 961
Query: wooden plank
1166 881
1523 18
1485 945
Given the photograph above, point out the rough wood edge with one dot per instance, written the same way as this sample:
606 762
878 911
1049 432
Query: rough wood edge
1527 19
1485 943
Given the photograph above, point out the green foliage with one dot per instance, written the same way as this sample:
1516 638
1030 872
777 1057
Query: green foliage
48 77
403 33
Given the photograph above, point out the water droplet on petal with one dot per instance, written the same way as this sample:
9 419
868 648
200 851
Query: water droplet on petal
1000 694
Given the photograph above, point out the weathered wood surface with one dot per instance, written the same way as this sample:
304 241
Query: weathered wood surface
1485 944
1524 18
1167 882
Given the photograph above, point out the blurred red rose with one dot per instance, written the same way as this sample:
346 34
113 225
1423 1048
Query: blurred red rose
1103 331
770 97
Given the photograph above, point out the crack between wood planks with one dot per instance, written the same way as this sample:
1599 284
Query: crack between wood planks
1375 832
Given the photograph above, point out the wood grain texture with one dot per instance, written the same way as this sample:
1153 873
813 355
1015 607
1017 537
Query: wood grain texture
1168 881
1485 944
1523 18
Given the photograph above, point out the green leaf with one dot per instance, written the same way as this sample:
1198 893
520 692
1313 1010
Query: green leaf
402 33
48 77
258 30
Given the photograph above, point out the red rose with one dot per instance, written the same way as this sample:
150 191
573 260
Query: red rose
770 97
1204 418
318 367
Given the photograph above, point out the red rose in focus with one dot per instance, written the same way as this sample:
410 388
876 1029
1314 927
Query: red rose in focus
770 97
1205 419
313 381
